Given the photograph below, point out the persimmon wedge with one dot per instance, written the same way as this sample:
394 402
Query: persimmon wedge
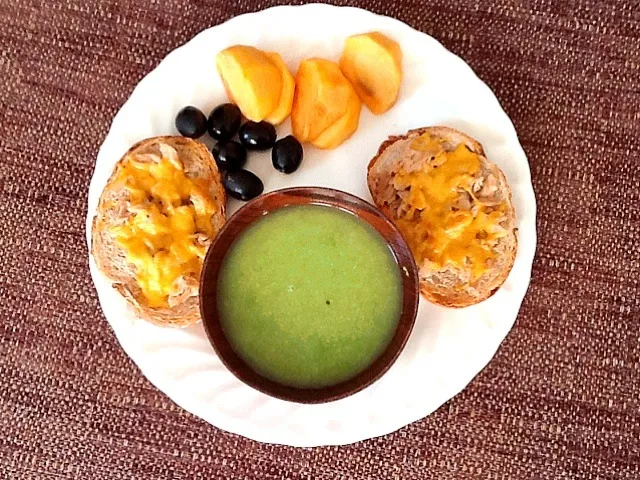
323 98
373 64
342 128
252 80
282 111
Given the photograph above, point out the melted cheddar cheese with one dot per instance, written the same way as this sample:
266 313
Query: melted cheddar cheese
169 211
440 225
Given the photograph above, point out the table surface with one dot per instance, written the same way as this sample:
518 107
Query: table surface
561 399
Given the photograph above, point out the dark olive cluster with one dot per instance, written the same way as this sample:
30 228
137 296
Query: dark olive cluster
231 155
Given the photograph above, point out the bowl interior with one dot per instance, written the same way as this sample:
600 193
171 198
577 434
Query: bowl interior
255 210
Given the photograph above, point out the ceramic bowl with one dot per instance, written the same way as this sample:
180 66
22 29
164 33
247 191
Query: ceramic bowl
255 210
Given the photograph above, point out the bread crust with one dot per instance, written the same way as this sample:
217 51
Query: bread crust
110 257
442 295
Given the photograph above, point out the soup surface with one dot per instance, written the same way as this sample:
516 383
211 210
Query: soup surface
309 296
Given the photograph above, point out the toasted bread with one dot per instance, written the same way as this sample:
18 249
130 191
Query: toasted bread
114 208
444 283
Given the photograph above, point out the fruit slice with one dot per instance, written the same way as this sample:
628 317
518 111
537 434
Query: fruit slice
251 79
322 97
304 98
373 64
341 129
283 109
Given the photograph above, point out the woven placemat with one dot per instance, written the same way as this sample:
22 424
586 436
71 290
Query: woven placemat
559 401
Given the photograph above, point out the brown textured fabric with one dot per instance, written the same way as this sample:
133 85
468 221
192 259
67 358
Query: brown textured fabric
559 401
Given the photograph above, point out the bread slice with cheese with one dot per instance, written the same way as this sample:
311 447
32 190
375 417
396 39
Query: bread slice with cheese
454 208
156 217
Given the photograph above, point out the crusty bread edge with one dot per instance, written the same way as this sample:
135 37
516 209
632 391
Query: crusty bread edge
458 301
160 317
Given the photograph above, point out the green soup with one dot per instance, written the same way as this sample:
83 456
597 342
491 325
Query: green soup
309 296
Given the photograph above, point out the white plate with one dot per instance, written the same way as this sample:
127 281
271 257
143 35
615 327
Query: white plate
447 347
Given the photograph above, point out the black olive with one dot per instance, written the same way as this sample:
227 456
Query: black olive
229 155
286 155
191 122
257 135
224 121
243 184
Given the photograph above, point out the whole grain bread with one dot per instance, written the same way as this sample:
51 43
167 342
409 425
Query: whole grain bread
113 209
449 285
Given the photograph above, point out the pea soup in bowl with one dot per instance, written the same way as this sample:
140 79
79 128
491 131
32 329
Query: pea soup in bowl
308 294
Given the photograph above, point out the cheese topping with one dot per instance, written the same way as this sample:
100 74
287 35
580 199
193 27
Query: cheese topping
441 215
164 238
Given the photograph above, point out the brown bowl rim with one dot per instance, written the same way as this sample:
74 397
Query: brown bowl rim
255 209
